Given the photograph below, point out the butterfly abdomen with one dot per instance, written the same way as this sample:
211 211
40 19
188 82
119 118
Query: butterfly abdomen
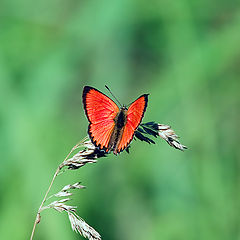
120 121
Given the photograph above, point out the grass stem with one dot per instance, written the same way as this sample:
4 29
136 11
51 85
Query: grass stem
38 217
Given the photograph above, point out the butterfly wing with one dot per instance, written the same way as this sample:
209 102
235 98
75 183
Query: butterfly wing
100 111
135 114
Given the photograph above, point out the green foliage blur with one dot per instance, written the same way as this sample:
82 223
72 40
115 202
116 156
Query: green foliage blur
185 53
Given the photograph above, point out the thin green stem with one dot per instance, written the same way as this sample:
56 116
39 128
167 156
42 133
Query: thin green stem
38 217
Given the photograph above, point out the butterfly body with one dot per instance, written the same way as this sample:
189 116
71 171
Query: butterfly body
111 128
119 121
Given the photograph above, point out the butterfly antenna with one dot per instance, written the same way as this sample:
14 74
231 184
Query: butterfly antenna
113 95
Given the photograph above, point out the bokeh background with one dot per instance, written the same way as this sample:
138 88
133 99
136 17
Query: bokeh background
185 53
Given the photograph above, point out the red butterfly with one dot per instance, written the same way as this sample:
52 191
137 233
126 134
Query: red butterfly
111 128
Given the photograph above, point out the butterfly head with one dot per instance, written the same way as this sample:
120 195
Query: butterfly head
124 107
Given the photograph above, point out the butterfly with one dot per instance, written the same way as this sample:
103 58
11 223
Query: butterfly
111 128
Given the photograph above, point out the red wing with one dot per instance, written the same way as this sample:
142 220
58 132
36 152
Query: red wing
134 117
100 111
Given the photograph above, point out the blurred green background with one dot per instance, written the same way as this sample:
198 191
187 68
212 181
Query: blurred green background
185 53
